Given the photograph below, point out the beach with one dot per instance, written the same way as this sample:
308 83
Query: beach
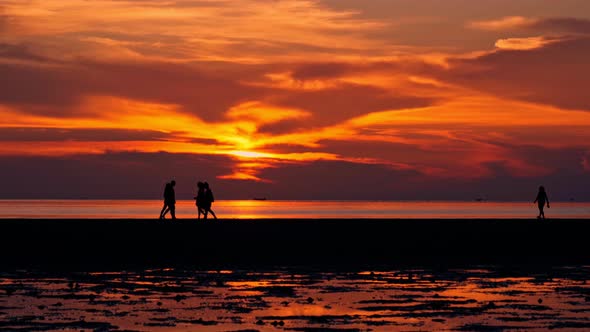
175 299
376 166
294 275
356 243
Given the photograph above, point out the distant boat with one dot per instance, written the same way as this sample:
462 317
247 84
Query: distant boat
479 199
259 198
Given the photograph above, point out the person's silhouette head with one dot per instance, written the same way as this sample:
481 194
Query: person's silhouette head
206 185
172 183
200 185
542 189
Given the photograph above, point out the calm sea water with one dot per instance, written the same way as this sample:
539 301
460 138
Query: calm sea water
249 209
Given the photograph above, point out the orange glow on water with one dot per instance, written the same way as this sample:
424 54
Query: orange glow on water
415 300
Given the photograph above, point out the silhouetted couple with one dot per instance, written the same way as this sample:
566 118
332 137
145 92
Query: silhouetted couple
204 199
169 201
540 200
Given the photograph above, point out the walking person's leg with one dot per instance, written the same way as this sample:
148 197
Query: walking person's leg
162 213
173 211
166 211
213 213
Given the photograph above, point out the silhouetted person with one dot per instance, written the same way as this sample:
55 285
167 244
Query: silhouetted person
165 208
209 199
200 199
169 201
540 200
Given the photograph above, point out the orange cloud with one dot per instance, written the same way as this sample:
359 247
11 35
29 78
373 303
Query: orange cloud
206 31
528 43
504 23
452 127
268 85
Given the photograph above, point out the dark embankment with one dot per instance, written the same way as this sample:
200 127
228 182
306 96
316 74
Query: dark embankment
106 244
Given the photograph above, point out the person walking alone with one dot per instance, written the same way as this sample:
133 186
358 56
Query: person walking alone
540 200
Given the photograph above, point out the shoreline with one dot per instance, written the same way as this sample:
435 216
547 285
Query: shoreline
123 209
97 244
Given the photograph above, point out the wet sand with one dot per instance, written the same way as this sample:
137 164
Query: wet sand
256 244
482 299
294 275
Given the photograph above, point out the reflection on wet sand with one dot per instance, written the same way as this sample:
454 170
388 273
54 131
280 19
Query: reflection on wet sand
411 300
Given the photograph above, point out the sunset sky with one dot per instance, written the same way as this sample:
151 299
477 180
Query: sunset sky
295 99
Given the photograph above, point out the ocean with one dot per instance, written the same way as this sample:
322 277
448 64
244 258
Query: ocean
251 209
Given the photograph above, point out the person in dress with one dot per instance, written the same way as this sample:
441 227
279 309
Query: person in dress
541 200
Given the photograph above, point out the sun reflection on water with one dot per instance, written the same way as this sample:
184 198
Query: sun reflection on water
182 300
